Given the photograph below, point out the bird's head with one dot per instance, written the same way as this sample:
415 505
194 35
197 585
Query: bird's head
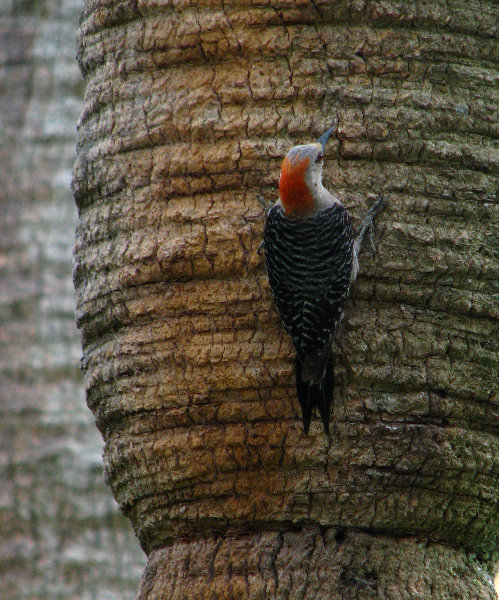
301 177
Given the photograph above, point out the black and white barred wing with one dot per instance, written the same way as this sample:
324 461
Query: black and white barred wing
309 263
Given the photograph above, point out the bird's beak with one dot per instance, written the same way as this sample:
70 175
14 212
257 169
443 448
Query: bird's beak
325 136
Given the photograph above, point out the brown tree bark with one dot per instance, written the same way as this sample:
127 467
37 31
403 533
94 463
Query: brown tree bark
190 108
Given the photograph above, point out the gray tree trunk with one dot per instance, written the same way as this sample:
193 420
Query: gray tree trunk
61 536
190 107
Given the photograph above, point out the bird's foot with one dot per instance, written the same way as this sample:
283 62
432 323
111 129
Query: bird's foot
367 225
265 205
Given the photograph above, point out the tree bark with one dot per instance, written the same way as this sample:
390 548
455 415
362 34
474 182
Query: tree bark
190 108
60 529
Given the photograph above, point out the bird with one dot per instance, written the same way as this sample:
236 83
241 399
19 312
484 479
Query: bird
311 259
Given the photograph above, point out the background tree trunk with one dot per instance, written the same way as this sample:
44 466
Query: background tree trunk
190 108
61 536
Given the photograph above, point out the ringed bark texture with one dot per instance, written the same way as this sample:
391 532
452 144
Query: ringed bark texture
190 107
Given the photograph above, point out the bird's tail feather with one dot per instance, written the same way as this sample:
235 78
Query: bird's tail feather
327 385
311 395
302 387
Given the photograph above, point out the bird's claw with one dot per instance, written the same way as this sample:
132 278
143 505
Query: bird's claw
377 207
265 205
367 225
371 241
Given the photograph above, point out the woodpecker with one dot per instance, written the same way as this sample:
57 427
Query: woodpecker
311 261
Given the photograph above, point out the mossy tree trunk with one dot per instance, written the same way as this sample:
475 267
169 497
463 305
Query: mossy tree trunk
190 107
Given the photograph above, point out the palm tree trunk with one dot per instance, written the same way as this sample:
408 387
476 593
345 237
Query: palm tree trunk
190 108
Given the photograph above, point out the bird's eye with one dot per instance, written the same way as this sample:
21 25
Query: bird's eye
319 157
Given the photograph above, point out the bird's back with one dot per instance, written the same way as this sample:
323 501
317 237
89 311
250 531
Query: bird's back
309 263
